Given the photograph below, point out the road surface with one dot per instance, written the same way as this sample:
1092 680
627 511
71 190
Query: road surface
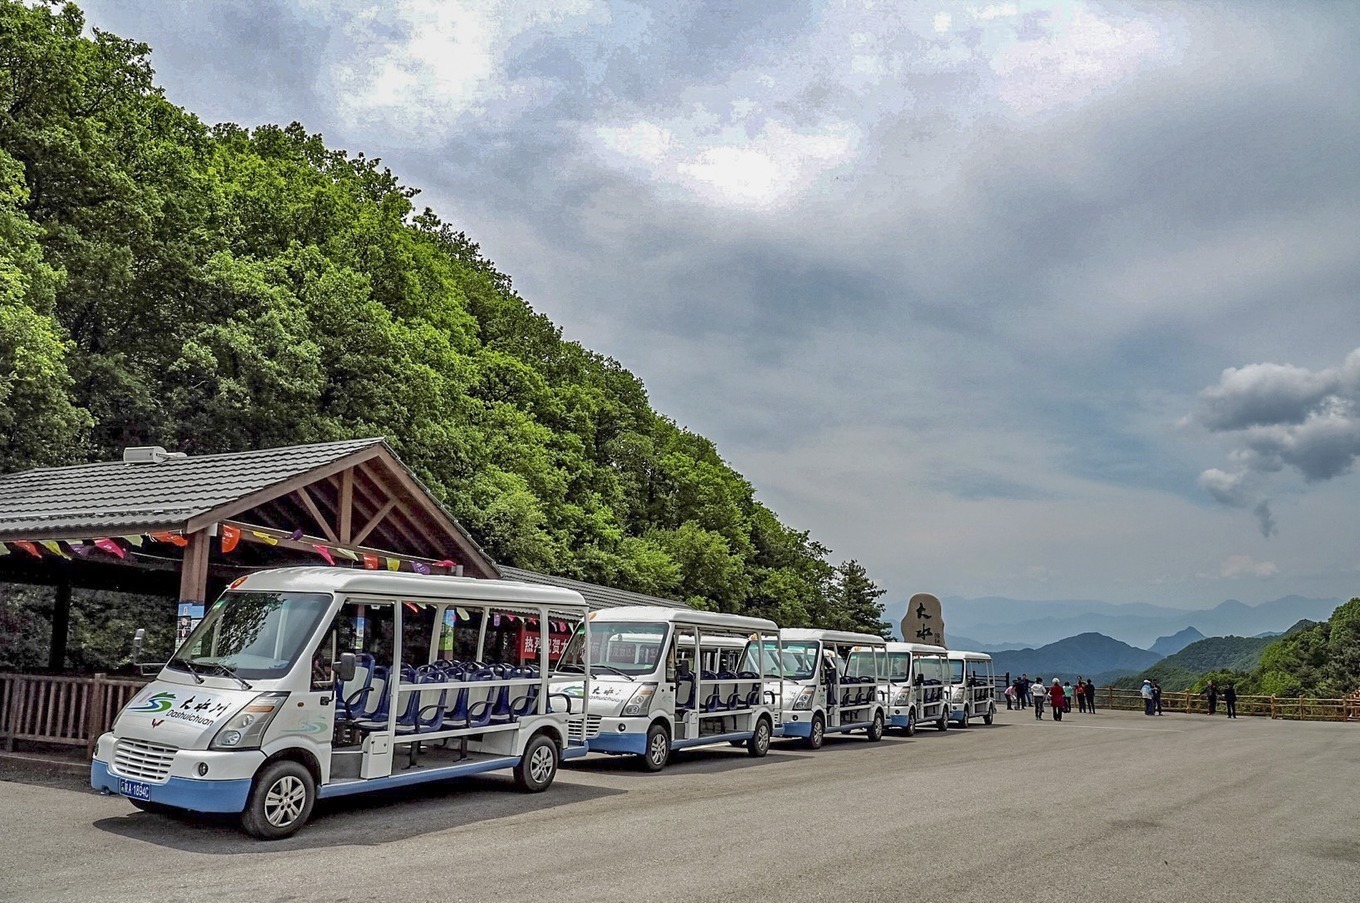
1107 807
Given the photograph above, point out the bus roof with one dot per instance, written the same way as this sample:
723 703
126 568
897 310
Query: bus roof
961 655
917 648
416 587
839 637
688 617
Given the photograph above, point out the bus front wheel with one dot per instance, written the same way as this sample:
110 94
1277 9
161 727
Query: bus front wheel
910 729
876 729
991 713
816 732
538 766
943 723
658 748
759 744
280 801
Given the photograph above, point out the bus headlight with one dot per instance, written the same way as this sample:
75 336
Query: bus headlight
903 697
804 700
640 701
246 728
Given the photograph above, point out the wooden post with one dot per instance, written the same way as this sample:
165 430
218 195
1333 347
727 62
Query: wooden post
94 712
61 624
346 506
12 712
1272 706
193 575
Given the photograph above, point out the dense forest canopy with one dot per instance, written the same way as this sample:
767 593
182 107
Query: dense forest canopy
217 288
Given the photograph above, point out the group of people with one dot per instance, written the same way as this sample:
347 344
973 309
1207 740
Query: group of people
1058 696
1152 698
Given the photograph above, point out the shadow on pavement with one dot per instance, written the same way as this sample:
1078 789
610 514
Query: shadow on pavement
363 820
712 759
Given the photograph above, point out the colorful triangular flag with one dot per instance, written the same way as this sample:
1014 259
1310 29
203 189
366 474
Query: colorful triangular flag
133 539
370 562
29 547
346 553
53 547
173 539
323 552
295 535
265 537
230 537
420 567
108 545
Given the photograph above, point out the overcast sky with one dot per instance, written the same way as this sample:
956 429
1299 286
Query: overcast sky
1043 301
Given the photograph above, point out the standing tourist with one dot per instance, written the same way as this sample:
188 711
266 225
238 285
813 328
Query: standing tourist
1037 694
1147 696
1212 692
1230 700
1010 696
1090 696
1024 690
1058 699
1067 696
1081 694
1157 695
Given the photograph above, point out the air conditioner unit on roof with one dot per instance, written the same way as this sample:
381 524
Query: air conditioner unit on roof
149 454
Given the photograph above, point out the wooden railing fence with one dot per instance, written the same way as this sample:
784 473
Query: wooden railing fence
67 711
1288 708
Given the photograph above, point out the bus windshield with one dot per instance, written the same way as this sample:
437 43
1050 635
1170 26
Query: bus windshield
956 670
252 635
618 647
799 661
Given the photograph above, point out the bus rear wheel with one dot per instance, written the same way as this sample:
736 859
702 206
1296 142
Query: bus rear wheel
876 729
991 713
943 723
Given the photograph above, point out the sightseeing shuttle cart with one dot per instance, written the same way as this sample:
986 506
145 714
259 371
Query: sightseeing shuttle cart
652 694
920 686
308 683
831 681
973 694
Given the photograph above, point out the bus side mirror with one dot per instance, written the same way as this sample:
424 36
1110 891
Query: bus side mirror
345 668
137 639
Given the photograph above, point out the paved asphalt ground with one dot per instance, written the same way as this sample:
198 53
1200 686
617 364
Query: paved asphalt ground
1100 808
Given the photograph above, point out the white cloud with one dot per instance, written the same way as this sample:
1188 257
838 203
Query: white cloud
417 64
729 166
1080 55
1235 566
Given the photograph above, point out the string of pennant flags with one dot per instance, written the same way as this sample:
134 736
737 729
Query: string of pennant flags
230 536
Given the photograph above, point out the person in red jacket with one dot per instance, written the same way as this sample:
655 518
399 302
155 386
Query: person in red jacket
1055 697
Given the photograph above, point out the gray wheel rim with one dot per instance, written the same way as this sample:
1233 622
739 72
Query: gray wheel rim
658 748
817 732
284 801
762 736
541 764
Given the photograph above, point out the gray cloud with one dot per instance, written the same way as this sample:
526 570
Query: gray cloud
974 309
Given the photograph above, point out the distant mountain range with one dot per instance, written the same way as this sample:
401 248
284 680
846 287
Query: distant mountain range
1170 645
1085 655
1000 623
1217 653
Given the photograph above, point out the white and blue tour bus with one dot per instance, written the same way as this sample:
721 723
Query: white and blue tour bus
651 694
311 683
973 687
831 681
920 679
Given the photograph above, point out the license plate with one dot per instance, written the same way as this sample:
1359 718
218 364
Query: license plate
138 790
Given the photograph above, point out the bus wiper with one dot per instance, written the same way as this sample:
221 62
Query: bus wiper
231 672
571 669
187 667
616 671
